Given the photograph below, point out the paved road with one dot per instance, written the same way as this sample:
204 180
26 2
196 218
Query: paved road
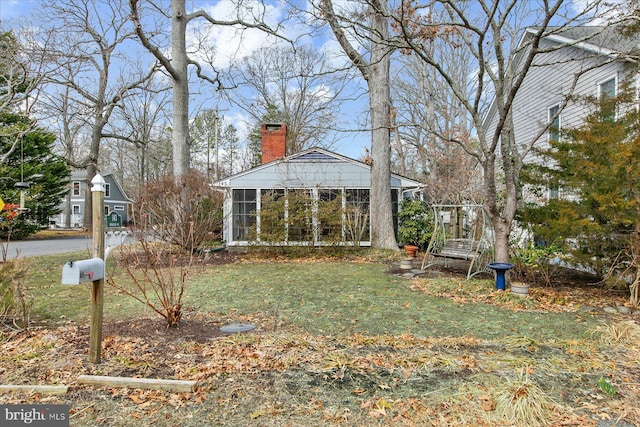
28 248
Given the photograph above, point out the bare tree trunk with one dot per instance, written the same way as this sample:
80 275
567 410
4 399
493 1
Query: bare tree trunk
179 61
382 234
375 71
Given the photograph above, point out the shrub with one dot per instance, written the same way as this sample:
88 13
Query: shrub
14 304
535 264
184 211
158 272
415 223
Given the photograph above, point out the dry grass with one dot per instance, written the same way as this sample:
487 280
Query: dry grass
521 402
618 332
336 344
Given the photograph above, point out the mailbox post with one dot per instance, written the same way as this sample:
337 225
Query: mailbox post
97 289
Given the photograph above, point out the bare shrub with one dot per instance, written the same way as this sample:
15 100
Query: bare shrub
158 274
14 304
184 211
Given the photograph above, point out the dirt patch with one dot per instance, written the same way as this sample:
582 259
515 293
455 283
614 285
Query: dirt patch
155 330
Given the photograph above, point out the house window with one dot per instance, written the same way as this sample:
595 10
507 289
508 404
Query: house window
106 211
107 190
607 92
357 215
272 216
244 212
554 123
329 215
299 216
75 185
76 209
118 208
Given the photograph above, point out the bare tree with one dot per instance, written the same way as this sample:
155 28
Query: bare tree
489 32
293 86
88 57
140 149
176 65
428 114
368 24
21 76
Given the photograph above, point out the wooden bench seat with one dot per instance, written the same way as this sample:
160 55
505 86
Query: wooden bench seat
466 249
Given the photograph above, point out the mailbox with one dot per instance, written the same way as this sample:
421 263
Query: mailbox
86 270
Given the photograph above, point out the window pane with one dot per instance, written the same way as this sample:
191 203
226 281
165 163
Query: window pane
357 215
554 119
272 215
607 99
299 216
244 217
330 215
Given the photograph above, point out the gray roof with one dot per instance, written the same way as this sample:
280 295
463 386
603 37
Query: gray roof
609 38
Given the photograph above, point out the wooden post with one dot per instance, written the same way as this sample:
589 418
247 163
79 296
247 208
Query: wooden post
97 289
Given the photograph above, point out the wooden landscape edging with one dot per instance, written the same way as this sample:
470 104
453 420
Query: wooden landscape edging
145 383
43 389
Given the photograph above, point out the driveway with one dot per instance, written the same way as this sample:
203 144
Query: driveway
29 248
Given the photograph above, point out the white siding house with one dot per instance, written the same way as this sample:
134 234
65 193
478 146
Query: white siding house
575 63
322 176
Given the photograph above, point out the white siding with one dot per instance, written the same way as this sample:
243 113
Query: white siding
549 83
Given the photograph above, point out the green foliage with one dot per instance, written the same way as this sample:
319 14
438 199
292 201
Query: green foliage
534 263
415 223
33 162
288 217
598 165
606 387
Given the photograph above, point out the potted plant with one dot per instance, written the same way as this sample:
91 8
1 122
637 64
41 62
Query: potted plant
414 225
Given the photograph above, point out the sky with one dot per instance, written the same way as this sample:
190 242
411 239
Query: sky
230 47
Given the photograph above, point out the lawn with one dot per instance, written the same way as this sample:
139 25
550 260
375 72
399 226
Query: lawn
337 342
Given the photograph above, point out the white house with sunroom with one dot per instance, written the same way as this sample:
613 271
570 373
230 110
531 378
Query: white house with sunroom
314 197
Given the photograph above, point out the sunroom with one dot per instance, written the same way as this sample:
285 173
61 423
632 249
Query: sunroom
315 197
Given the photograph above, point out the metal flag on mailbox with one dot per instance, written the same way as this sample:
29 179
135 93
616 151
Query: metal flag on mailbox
86 270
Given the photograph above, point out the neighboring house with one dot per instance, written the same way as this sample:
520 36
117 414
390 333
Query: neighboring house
312 197
575 63
73 205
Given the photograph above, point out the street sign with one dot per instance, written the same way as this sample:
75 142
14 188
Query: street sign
1 204
114 219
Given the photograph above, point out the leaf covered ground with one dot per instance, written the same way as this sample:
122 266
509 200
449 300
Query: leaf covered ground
339 343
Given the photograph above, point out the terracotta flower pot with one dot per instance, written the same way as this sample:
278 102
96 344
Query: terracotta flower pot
411 250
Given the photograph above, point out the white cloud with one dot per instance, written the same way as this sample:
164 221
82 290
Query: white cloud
221 45
597 12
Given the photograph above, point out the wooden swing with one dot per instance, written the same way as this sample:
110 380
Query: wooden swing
461 232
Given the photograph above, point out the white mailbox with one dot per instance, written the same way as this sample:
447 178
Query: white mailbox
86 270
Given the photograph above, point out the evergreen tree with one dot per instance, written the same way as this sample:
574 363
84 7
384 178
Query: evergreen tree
597 166
32 162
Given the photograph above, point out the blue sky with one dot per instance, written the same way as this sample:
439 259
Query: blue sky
228 49
226 41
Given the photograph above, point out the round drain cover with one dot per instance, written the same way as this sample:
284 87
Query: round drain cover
237 327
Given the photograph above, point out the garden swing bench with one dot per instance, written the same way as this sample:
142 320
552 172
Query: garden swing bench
461 232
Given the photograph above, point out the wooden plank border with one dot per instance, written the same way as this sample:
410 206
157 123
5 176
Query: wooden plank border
143 383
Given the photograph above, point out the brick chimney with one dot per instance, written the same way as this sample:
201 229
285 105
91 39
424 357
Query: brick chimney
274 141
